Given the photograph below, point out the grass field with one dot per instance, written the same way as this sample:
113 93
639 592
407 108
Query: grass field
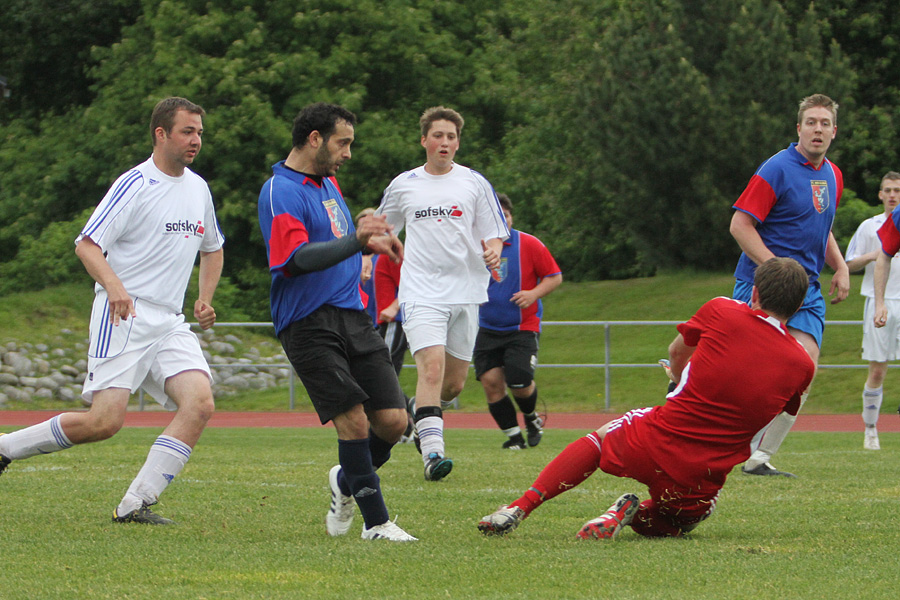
251 502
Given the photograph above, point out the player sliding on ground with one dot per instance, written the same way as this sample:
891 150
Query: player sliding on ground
737 367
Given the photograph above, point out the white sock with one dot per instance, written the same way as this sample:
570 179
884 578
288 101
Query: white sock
768 440
42 438
431 436
165 460
513 431
871 405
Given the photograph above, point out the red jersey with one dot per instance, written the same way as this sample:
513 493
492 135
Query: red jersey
387 283
745 370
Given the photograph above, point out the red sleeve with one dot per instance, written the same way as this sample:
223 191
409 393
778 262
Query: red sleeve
542 261
889 236
839 178
288 234
693 328
758 198
387 281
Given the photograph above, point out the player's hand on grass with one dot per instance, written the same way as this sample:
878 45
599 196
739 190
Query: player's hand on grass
205 314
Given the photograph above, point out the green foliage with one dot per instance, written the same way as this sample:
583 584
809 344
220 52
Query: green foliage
623 129
250 505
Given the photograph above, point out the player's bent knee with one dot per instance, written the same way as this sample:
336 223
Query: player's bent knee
517 378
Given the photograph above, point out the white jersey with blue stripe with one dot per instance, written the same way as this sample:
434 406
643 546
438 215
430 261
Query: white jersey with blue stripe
151 226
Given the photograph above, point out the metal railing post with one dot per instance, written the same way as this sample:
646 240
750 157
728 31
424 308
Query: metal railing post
606 373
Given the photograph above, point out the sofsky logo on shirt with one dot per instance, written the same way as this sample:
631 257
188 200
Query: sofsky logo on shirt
820 194
185 227
439 213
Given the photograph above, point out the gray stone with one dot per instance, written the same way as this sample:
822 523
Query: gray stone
233 339
15 394
28 381
69 370
237 382
81 364
43 393
3 399
20 363
221 348
47 383
8 379
41 366
41 347
58 352
60 378
66 394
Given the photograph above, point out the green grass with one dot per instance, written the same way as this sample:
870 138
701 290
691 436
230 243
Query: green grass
669 296
250 506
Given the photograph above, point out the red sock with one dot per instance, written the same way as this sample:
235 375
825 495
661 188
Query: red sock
574 464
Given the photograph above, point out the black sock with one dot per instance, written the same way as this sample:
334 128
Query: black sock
379 449
527 405
363 483
504 413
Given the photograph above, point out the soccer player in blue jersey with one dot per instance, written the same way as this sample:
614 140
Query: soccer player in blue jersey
315 260
509 329
787 210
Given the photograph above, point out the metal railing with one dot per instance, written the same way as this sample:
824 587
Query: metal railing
606 365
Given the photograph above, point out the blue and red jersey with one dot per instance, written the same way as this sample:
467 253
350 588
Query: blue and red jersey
295 209
524 262
795 205
889 234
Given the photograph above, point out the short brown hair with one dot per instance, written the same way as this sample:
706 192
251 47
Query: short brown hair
363 213
505 202
782 284
818 100
440 113
892 175
164 114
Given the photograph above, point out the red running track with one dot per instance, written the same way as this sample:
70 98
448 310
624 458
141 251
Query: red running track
578 421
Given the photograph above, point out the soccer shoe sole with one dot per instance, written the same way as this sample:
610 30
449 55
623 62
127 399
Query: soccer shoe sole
438 468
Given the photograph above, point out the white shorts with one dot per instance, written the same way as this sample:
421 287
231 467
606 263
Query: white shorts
453 326
881 344
142 352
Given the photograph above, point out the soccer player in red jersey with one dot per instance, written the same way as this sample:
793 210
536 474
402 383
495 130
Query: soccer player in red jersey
684 450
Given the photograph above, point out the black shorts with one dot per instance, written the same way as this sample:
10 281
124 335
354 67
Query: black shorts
395 338
342 362
515 351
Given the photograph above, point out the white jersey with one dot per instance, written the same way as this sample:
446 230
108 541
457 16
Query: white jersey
151 226
446 218
866 240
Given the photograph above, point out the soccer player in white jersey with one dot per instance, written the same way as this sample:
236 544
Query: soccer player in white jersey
140 245
879 345
454 228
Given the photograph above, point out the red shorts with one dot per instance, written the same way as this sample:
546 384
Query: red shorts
623 455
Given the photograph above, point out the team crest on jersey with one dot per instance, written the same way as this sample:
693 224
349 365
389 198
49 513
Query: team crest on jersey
820 195
499 274
339 225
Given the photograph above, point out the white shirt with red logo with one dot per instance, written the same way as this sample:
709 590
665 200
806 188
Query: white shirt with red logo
151 226
446 217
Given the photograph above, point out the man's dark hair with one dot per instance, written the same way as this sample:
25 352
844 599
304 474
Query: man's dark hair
164 114
321 117
781 284
505 202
